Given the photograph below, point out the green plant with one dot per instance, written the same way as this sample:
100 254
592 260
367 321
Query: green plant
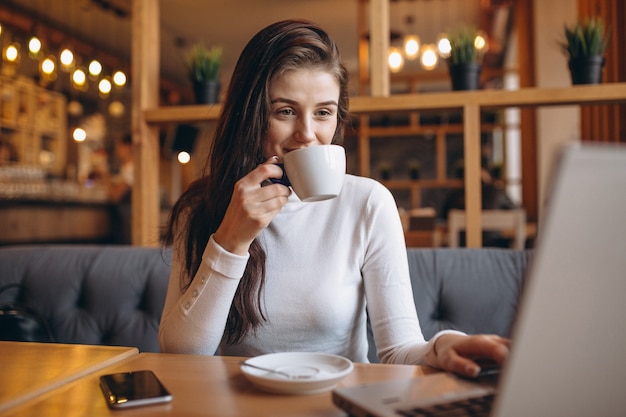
585 38
463 48
204 64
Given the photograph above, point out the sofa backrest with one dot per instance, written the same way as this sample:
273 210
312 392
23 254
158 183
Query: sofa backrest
108 295
471 290
114 295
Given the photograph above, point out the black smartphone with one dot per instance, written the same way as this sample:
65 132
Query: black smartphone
133 389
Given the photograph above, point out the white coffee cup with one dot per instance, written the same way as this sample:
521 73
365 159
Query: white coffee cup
316 173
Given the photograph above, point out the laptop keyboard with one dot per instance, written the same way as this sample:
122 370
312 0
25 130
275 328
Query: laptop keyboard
470 407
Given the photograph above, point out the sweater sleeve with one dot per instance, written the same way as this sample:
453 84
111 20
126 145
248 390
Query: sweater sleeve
385 271
193 320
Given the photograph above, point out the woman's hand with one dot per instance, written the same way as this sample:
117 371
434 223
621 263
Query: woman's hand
463 354
251 208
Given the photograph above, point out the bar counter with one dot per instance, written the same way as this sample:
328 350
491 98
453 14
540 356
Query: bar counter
38 214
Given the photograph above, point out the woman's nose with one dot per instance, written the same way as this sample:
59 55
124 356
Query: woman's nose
305 131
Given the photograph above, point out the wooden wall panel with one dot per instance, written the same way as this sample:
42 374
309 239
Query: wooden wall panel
607 123
524 22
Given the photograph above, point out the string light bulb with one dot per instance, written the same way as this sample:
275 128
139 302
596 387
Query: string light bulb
411 47
34 46
480 42
48 65
119 78
395 59
79 78
184 157
95 68
104 86
66 58
12 53
429 58
79 135
443 46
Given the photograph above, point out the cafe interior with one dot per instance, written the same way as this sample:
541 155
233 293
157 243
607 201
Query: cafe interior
60 128
77 77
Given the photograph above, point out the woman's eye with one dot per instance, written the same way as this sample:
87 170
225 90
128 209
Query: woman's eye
285 112
324 113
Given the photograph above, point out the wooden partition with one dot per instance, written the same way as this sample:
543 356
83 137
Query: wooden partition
471 103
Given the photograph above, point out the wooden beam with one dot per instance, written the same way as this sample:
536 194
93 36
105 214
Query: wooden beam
473 192
379 45
145 58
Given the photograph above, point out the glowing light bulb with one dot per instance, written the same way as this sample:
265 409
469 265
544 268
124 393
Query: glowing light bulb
95 68
184 157
480 42
11 53
104 86
66 58
411 46
34 45
444 47
429 58
119 78
79 77
79 134
395 60
47 66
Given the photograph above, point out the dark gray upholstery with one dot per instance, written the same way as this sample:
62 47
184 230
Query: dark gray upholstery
109 295
113 295
471 290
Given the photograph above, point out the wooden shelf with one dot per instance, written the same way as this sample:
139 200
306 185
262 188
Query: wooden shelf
183 114
485 99
34 120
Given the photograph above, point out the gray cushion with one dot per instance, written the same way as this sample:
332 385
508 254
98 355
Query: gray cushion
471 290
109 295
114 295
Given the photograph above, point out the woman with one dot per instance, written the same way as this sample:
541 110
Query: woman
255 270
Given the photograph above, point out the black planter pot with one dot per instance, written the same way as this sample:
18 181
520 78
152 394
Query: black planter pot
586 69
206 92
465 76
414 173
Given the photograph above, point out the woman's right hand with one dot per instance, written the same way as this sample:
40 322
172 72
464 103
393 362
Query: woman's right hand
252 208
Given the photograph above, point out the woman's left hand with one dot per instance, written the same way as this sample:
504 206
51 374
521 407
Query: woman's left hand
462 354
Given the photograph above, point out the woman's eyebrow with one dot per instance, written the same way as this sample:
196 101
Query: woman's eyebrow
288 101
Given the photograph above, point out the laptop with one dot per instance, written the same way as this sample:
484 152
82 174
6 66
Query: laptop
568 354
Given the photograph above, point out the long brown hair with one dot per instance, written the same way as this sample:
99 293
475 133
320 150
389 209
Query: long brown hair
238 148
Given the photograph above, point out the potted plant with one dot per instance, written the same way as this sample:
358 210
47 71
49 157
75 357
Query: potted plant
465 59
384 168
585 43
204 66
415 167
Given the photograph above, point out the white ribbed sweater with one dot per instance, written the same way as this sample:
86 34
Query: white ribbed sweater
325 262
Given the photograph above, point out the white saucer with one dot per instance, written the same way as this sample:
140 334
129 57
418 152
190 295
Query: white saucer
313 372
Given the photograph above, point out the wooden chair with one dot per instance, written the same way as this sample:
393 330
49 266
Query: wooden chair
419 227
507 221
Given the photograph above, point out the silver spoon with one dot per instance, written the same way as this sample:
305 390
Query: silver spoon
274 371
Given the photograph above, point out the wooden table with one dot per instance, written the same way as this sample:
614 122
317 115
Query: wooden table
202 385
29 370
